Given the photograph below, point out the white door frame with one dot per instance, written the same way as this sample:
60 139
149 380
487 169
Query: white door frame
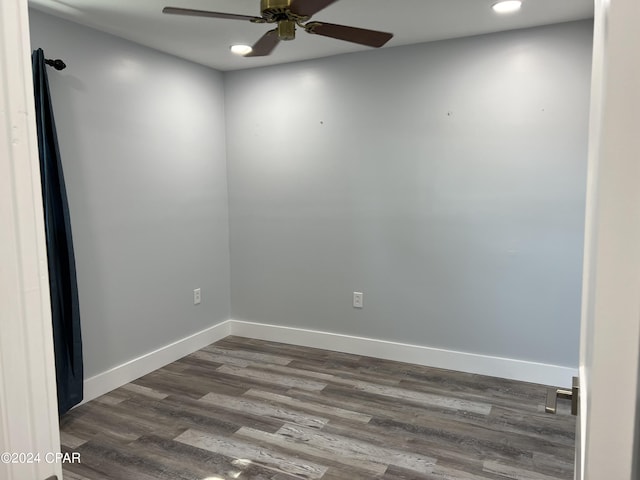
611 306
610 334
28 405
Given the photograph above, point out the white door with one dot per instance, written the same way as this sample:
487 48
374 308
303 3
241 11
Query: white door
29 436
610 338
611 307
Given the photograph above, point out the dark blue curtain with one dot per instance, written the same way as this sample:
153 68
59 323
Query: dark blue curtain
65 309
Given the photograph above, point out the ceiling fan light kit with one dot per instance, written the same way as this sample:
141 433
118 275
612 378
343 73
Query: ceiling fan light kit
287 15
241 50
507 6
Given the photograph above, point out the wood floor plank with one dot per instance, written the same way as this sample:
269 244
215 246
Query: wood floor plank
513 473
381 406
146 391
343 375
183 412
81 471
112 398
243 450
118 463
262 409
202 464
295 372
97 419
70 441
252 356
217 358
69 475
421 398
350 448
365 464
252 409
460 454
438 473
553 465
281 379
326 410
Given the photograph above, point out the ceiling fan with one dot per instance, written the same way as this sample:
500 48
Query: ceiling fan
288 14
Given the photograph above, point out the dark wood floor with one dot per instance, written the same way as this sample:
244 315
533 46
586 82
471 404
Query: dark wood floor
249 409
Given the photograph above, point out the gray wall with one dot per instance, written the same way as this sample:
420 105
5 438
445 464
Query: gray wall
142 138
445 180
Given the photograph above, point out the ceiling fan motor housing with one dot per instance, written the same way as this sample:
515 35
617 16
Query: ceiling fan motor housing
274 10
279 11
286 29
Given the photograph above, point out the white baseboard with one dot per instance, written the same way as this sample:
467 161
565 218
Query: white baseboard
129 371
433 357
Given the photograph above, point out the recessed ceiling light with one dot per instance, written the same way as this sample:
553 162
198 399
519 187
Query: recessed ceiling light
241 49
507 6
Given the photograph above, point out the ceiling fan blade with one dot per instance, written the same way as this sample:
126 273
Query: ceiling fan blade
308 8
265 45
205 13
371 38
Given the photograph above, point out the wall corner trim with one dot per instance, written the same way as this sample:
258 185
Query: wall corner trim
127 372
509 368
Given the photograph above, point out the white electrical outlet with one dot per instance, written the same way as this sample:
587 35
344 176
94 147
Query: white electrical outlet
196 296
358 299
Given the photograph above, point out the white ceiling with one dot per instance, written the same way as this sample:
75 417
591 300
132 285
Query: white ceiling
207 40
